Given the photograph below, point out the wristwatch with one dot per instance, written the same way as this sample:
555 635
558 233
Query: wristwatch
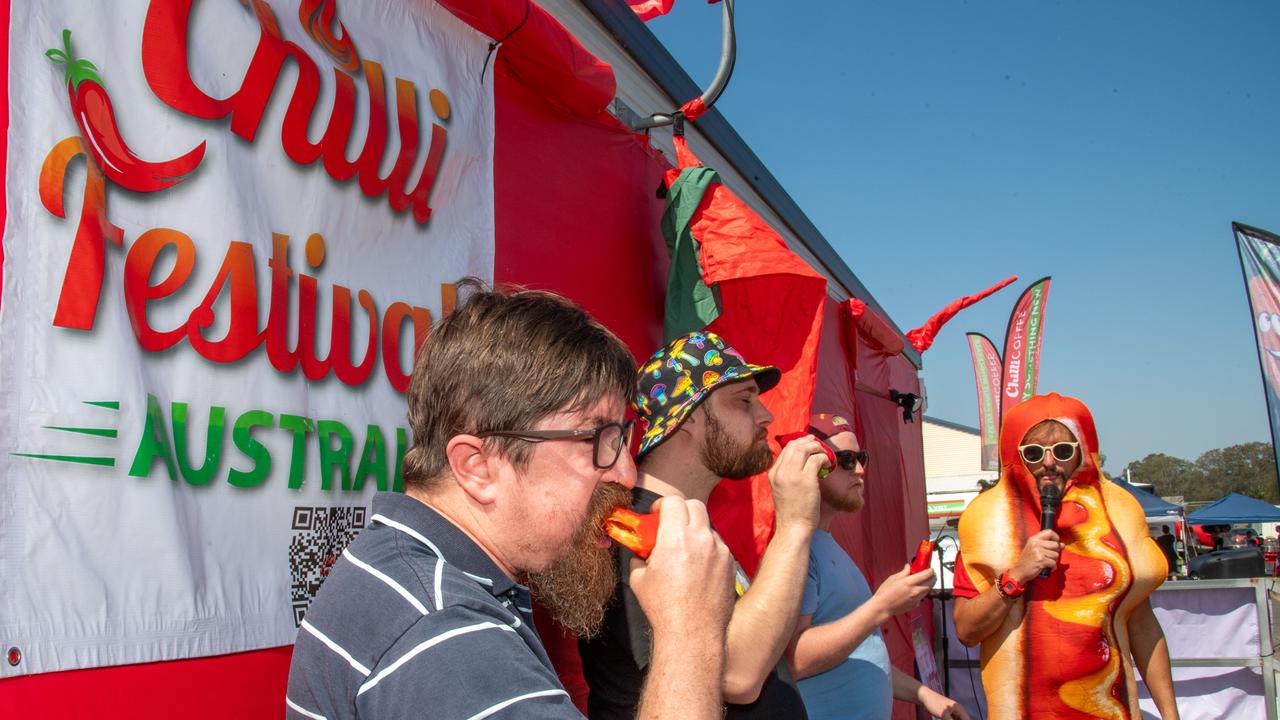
1009 587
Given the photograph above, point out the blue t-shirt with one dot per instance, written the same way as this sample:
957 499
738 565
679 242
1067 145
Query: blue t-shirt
860 687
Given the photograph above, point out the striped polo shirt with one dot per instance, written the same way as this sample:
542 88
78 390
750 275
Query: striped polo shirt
415 620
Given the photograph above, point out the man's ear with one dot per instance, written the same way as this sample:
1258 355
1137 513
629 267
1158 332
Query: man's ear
470 462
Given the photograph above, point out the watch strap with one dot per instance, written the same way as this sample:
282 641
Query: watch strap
1009 587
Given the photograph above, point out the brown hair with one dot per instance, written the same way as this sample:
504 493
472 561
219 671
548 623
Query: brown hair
504 360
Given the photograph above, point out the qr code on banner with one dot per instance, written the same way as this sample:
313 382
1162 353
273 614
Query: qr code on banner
319 536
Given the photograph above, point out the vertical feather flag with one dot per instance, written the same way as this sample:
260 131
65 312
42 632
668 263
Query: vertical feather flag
987 371
1260 263
1022 346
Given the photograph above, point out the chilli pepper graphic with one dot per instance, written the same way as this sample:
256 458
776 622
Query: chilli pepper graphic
784 440
637 533
923 554
97 120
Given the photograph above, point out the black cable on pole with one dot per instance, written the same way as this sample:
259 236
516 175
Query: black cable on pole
494 44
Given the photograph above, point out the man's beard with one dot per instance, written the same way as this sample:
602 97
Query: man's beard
727 458
1043 478
576 586
850 502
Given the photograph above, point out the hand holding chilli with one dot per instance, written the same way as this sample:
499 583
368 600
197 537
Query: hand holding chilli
637 533
923 554
784 440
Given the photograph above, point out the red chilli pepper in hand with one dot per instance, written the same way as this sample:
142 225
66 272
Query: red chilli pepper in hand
784 440
637 533
97 120
924 554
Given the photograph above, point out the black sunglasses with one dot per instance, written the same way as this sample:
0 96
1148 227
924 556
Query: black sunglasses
607 441
850 459
1062 452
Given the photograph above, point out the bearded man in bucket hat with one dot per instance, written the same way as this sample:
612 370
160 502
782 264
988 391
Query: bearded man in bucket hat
700 402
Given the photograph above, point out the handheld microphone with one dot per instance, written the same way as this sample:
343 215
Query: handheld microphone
1050 501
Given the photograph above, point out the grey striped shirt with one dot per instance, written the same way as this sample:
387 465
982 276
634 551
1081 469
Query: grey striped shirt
415 620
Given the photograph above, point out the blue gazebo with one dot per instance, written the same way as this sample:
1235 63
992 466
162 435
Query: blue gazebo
1153 507
1235 508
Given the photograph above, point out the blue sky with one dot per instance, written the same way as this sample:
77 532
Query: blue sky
1109 145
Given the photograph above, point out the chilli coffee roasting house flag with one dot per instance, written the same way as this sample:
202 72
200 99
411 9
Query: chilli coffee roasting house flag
1022 343
987 371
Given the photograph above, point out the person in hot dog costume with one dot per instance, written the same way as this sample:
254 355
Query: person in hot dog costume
1065 645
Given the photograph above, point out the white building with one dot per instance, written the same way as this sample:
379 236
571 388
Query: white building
952 471
952 468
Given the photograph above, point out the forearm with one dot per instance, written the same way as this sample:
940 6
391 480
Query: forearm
1158 676
764 618
977 617
906 687
822 647
1151 656
935 704
684 679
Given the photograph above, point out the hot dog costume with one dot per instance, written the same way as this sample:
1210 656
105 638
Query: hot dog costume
1063 651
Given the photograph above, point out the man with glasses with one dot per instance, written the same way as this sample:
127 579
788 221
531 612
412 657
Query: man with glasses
837 653
517 405
1063 613
699 400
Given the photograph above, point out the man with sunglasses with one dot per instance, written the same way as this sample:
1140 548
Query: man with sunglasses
837 653
517 404
704 423
1063 614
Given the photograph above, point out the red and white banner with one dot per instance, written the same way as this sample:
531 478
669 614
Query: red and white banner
229 227
1022 343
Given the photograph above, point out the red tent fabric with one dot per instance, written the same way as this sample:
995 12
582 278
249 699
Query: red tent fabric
864 327
243 685
538 53
856 372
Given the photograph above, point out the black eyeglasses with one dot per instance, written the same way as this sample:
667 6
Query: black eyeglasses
850 459
1062 452
607 441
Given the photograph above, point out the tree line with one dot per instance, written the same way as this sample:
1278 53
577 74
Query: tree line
1248 468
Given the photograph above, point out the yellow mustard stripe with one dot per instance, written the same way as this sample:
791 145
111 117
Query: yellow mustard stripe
1091 694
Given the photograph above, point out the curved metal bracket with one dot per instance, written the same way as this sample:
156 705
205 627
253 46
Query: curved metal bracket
728 56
